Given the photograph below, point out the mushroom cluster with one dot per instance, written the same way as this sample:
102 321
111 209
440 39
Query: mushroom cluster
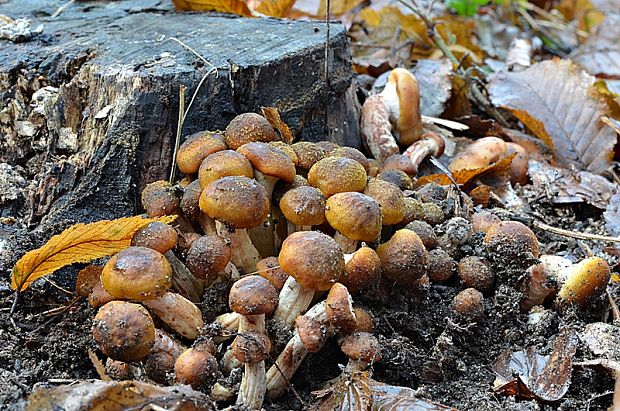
294 232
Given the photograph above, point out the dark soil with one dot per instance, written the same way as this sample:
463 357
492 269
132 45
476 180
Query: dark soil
424 345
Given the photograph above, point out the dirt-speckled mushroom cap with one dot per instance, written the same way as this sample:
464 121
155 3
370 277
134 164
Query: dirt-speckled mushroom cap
137 273
269 160
414 210
337 175
303 205
159 365
425 232
196 367
312 333
374 167
124 331
248 127
353 154
403 257
223 164
237 201
282 187
207 256
308 154
363 270
160 198
363 319
399 162
314 259
355 215
196 148
361 346
475 272
253 295
190 199
389 197
288 150
511 239
482 220
469 303
328 146
269 268
339 309
156 235
441 266
251 347
396 177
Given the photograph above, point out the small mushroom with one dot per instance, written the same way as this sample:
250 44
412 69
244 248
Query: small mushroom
334 175
363 269
430 144
196 148
303 207
403 257
469 304
511 240
197 366
363 349
584 281
355 217
475 272
390 199
248 127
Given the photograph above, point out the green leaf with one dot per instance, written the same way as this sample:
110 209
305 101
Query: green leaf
466 8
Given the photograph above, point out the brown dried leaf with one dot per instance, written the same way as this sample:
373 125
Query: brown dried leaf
272 8
495 174
223 6
273 117
118 396
557 101
527 374
79 243
600 54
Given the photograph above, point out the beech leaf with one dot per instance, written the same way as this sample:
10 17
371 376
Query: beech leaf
79 243
600 54
223 6
558 102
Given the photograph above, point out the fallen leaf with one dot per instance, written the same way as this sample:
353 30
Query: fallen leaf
359 392
600 54
223 6
272 8
273 117
527 374
118 396
584 12
79 243
557 101
602 339
494 174
337 7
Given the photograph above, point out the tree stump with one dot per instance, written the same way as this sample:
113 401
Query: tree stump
89 107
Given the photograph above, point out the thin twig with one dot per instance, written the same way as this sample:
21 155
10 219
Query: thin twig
62 8
177 140
275 364
574 234
14 305
614 307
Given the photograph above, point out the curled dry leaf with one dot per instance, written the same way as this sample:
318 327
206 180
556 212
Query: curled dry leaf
527 374
556 100
272 8
223 6
273 117
600 54
79 243
495 174
117 396
359 392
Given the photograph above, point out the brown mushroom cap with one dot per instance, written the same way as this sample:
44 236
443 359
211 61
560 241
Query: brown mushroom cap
482 220
207 256
399 162
519 164
269 268
389 197
363 270
374 167
238 201
404 257
137 273
361 346
339 309
584 281
87 279
282 187
353 154
312 333
196 367
288 150
511 239
308 154
469 303
124 331
157 236
303 205
160 198
425 232
196 148
363 319
433 214
269 160
441 266
334 175
314 259
159 365
397 177
355 215
223 164
251 347
253 295
98 296
414 210
248 127
327 146
475 272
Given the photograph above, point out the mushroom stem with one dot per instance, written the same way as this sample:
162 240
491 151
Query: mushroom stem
206 223
294 299
244 254
263 235
346 244
254 383
431 144
292 355
183 281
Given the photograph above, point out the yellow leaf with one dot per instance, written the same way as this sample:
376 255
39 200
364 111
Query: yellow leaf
337 7
533 124
223 6
273 117
273 8
79 243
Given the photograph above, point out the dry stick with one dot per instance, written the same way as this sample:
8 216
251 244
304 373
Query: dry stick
275 363
574 234
62 8
614 307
